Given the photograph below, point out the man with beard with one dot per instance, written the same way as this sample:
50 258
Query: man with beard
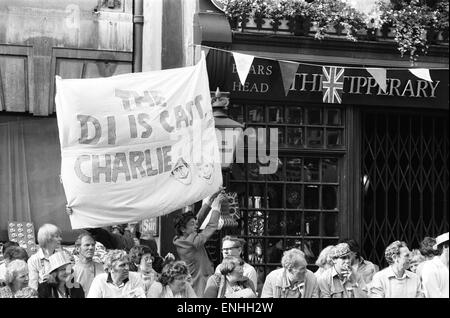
341 280
395 281
117 281
85 269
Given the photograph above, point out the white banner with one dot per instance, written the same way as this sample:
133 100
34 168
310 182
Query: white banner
136 146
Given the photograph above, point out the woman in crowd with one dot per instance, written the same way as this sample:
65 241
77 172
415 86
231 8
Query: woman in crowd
62 285
16 278
190 243
49 239
231 282
141 261
173 283
324 261
427 251
416 258
9 254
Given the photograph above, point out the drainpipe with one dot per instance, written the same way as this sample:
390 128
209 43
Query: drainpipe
138 25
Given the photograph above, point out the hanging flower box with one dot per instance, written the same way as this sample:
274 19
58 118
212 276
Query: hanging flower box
411 26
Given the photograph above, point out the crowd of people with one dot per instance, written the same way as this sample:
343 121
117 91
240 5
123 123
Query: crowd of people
111 263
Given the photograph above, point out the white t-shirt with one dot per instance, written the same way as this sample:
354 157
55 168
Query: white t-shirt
102 287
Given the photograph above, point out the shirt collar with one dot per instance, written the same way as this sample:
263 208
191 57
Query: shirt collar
40 254
286 284
390 273
334 272
110 280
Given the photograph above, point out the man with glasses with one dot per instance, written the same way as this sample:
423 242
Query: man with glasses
293 280
232 246
341 280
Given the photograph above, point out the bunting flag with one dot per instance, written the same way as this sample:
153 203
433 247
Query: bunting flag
379 74
243 64
288 70
422 73
332 84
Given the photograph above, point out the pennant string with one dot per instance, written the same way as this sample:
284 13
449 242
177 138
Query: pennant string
320 65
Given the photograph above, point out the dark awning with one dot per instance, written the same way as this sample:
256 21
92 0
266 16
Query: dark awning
213 27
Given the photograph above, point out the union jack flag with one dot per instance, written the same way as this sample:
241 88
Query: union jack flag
332 84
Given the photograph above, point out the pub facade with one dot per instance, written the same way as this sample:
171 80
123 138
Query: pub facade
367 164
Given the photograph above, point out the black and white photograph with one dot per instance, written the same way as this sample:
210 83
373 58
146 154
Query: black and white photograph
212 149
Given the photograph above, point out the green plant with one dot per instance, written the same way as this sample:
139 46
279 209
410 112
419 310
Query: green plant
352 20
409 24
337 14
237 11
299 8
259 8
276 11
440 15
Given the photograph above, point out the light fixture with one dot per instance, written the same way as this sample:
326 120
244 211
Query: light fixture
227 129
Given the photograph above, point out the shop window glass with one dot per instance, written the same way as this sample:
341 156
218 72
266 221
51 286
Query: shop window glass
294 136
314 137
294 115
311 170
334 117
256 114
311 197
298 205
314 116
275 114
293 224
294 169
293 196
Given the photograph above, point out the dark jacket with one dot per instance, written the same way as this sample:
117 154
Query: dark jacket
192 250
112 241
46 290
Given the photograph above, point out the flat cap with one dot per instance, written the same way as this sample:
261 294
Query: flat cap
340 250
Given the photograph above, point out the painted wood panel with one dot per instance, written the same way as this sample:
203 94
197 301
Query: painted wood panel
13 83
41 29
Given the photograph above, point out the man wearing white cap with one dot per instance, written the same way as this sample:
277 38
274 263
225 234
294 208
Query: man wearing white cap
435 278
